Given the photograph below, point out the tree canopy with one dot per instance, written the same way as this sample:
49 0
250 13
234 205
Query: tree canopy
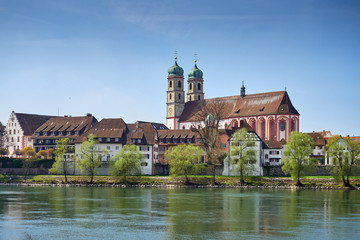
296 155
344 154
242 152
127 162
183 160
63 163
89 158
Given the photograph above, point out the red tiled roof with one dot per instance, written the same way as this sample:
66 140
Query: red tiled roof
182 133
106 128
318 138
80 124
273 144
356 138
250 105
30 122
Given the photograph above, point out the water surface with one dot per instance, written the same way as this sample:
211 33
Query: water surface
144 213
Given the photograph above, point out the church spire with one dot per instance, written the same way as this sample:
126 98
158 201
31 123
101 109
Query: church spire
242 92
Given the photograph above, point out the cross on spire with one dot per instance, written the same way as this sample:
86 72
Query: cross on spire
175 53
195 56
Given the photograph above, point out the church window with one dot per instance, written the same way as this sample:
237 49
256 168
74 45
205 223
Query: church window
190 98
179 84
272 130
179 96
171 84
199 97
190 86
292 125
199 86
170 96
263 130
282 126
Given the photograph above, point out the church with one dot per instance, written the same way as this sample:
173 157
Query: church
271 115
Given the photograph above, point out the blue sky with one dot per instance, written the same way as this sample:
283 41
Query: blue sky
110 58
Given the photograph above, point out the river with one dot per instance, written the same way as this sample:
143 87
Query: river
152 213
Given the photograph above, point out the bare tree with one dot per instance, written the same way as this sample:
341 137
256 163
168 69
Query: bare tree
206 124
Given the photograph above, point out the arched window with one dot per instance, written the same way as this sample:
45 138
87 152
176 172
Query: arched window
199 97
183 127
189 98
179 84
282 126
190 86
253 125
292 125
170 96
170 84
199 86
179 96
263 129
272 130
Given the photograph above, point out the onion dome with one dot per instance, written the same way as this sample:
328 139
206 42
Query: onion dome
176 70
195 72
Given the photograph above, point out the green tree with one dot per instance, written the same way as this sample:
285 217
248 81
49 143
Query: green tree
89 157
344 153
296 157
4 152
242 152
127 162
17 152
182 160
63 164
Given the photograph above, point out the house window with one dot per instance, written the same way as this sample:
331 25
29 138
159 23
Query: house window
52 133
44 133
139 140
107 147
37 134
99 139
133 140
266 156
222 145
144 164
47 141
60 133
108 157
117 147
108 139
9 132
77 132
68 133
146 156
116 139
18 138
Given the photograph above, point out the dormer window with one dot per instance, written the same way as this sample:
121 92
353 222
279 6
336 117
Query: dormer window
77 132
68 133
108 139
44 133
60 133
100 139
37 134
52 133
139 140
116 139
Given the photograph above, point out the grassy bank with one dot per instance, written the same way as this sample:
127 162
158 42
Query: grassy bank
318 181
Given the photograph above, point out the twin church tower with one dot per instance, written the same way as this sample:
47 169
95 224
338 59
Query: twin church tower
175 99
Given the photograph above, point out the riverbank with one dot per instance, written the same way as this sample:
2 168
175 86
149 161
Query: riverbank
176 182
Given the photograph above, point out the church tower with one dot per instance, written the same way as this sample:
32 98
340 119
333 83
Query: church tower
195 84
175 96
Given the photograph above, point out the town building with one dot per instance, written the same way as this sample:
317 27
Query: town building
273 153
271 114
318 152
19 130
46 135
112 134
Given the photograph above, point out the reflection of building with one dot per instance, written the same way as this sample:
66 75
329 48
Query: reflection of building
19 129
271 114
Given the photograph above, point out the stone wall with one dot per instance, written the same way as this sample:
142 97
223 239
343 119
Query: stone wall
22 171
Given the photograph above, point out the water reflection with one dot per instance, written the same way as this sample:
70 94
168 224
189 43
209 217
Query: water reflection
111 213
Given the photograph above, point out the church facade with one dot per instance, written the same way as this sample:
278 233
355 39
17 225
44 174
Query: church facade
271 115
